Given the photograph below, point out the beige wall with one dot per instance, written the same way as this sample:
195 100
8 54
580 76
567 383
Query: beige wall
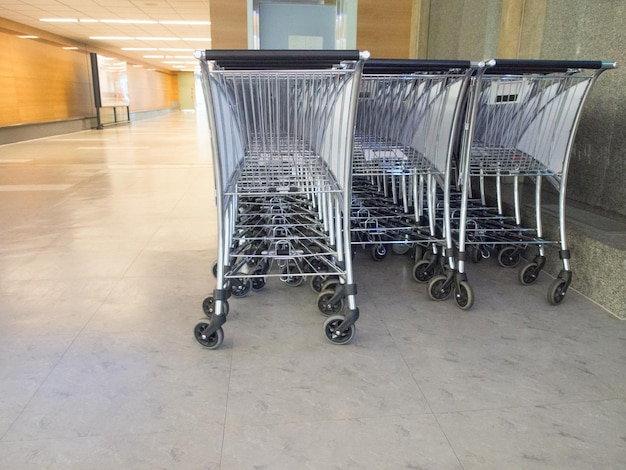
41 82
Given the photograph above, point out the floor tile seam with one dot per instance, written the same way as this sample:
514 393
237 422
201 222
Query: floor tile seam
428 404
58 361
350 419
226 406
531 406
98 436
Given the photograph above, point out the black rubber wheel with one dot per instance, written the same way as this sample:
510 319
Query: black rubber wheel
317 282
240 287
211 342
400 248
378 252
464 297
330 327
509 257
214 269
258 283
423 271
208 306
556 292
327 308
437 290
528 274
475 255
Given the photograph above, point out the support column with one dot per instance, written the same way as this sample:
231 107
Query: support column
420 18
521 29
229 24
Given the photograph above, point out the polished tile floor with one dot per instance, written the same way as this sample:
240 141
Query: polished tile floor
107 240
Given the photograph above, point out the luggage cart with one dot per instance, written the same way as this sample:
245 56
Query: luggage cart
520 124
405 139
282 126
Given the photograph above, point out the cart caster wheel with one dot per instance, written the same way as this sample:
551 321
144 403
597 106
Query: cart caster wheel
509 257
317 282
288 276
330 283
400 249
214 269
258 283
465 296
557 290
325 306
208 306
417 253
423 271
209 342
528 274
378 252
330 327
240 287
475 254
437 288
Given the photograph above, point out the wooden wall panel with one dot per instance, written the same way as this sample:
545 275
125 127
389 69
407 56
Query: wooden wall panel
229 24
40 82
384 28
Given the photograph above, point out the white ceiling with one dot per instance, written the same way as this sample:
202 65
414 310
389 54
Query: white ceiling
30 13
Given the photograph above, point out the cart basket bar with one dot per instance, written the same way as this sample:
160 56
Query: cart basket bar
238 59
512 66
404 66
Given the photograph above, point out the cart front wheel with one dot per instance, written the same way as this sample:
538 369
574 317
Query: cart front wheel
209 342
438 289
464 297
335 337
557 290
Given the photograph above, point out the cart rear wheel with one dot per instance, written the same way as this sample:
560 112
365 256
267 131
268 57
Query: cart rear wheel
330 330
557 290
509 257
208 306
325 306
423 271
528 274
400 248
437 288
378 252
209 342
240 287
464 297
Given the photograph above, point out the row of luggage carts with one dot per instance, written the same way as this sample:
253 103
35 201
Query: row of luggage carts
320 153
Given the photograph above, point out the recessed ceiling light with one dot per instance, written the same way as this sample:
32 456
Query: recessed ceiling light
71 48
152 38
175 49
186 22
113 38
87 20
59 20
28 36
129 21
